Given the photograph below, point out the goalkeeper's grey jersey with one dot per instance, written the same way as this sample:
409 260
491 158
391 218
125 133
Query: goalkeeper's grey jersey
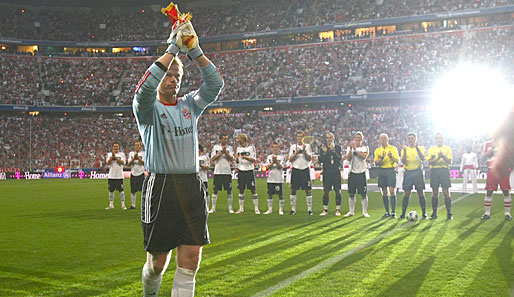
169 132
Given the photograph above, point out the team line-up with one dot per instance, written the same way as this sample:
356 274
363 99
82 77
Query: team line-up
396 170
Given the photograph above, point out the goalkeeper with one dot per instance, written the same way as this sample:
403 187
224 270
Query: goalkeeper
174 211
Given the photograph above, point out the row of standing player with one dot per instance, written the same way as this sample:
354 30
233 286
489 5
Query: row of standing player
386 157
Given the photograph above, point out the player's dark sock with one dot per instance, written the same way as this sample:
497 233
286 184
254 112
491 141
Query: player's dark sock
435 201
423 204
393 204
385 199
448 202
404 205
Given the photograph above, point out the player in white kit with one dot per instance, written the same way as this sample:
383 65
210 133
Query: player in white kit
136 161
357 153
204 163
222 156
468 167
300 157
275 164
115 161
245 159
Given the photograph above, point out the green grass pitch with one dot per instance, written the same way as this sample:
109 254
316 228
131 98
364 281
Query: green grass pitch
56 239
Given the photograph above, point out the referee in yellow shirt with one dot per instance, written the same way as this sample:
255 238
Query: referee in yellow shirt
440 158
413 156
386 156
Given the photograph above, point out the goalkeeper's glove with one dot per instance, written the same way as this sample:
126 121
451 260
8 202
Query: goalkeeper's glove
189 41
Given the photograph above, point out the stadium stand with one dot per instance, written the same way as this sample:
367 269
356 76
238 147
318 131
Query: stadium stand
386 64
84 139
145 23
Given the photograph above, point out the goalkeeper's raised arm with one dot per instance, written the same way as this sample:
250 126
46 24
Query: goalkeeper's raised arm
161 82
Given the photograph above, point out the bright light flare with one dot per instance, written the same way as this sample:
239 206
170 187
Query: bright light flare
471 100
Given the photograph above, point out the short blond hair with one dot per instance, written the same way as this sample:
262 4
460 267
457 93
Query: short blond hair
243 136
177 61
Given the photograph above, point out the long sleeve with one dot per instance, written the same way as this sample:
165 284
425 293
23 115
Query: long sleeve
146 94
210 89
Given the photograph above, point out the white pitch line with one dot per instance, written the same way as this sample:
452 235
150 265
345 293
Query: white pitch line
288 281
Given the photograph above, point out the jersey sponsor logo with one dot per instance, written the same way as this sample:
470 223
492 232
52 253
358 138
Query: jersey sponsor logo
142 80
163 115
179 131
186 113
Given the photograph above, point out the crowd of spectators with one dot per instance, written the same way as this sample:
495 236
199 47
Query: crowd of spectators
213 18
81 81
66 140
84 140
387 64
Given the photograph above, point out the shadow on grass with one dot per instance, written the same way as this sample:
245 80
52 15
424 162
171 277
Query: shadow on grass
466 253
286 242
409 284
503 253
88 214
46 284
307 260
277 245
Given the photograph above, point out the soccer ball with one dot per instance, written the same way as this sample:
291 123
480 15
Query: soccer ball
412 216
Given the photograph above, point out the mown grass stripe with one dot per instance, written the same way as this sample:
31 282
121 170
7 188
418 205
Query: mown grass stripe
287 282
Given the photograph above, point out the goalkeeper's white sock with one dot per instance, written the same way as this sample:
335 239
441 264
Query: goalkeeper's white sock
151 282
133 199
183 283
214 200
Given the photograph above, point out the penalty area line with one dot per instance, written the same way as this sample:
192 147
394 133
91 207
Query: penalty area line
288 281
